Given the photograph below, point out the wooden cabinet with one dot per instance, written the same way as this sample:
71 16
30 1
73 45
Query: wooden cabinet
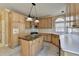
55 40
28 24
77 15
30 48
16 27
21 24
77 8
51 38
13 24
45 23
47 38
73 10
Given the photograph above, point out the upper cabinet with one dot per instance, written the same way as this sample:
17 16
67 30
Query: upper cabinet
73 10
77 15
45 23
27 24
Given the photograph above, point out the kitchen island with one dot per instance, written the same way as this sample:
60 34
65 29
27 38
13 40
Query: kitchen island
31 44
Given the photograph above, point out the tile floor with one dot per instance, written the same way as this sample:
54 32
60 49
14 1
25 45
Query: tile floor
48 50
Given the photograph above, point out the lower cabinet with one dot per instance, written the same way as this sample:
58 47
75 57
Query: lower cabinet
47 38
31 48
52 38
55 40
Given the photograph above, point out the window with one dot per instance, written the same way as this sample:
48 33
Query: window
61 24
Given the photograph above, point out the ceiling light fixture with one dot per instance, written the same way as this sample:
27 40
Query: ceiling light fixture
29 16
36 21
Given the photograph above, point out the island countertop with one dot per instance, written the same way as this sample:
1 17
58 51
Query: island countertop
29 37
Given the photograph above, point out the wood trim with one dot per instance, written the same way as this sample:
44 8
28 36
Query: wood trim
10 30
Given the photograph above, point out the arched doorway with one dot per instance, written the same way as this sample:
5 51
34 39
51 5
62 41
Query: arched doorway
59 25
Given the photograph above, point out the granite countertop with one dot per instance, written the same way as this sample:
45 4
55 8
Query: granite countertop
29 37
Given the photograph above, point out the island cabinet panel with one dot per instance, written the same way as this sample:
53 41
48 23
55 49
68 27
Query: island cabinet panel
55 40
31 48
16 27
45 23
25 47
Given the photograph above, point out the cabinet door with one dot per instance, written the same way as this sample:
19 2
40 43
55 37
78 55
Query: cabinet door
77 8
15 17
25 48
47 38
14 34
45 23
16 27
55 40
34 47
21 24
15 40
41 43
28 24
41 23
73 10
77 14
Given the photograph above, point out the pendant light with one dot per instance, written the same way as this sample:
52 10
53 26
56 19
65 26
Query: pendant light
36 21
29 17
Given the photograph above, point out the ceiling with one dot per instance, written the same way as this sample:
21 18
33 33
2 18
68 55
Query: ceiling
43 9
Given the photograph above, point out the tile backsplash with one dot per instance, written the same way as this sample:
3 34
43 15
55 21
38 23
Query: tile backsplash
40 30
